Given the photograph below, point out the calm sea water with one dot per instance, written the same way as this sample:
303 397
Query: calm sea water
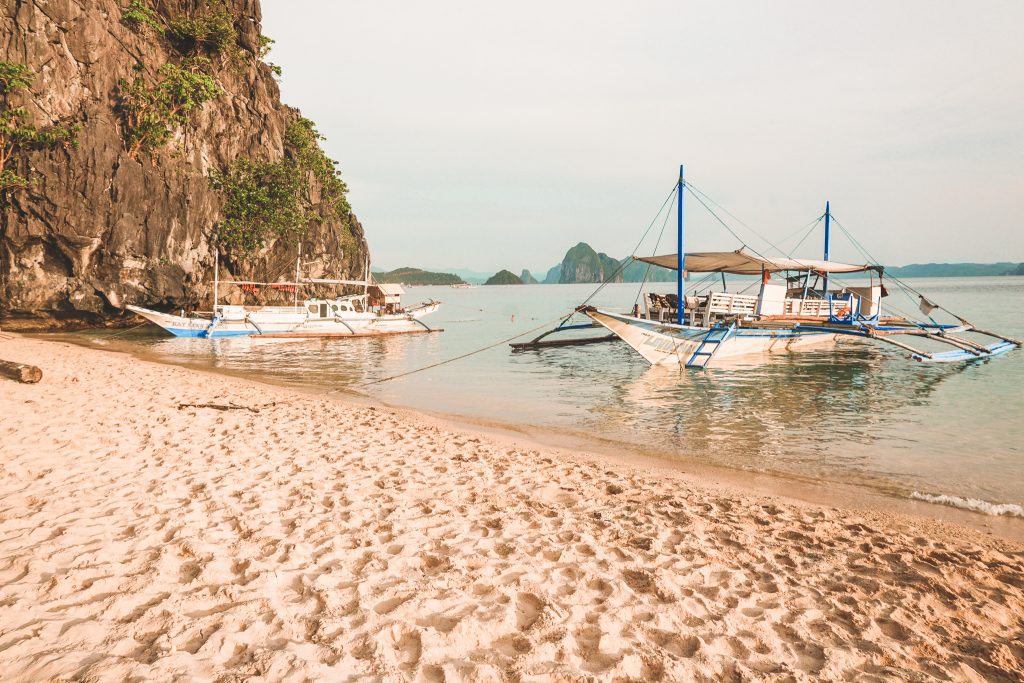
856 412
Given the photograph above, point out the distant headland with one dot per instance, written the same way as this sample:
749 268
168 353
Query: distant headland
583 264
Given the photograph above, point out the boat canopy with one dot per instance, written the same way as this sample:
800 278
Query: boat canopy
391 292
742 262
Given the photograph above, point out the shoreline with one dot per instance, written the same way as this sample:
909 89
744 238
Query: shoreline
290 533
851 496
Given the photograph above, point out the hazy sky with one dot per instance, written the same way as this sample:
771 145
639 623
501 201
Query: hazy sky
497 135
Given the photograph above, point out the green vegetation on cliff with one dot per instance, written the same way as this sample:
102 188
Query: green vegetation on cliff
416 276
18 133
268 200
153 112
504 277
527 278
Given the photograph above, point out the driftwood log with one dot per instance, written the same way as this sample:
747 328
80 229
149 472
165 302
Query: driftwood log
19 372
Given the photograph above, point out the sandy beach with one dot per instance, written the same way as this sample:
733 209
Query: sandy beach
146 534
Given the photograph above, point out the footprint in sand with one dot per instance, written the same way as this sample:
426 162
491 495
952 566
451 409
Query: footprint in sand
529 609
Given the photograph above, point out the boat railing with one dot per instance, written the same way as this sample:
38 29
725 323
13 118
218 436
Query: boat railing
834 307
731 304
275 309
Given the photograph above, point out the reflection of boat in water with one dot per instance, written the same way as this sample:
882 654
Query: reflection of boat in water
376 311
795 311
463 285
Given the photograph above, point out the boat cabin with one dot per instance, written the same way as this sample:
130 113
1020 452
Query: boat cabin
386 296
790 290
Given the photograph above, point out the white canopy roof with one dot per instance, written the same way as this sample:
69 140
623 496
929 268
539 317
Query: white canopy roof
389 288
742 262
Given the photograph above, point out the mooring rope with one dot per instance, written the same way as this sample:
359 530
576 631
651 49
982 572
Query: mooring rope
465 355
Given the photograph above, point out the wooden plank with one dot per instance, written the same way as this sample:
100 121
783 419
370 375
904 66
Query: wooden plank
904 346
19 372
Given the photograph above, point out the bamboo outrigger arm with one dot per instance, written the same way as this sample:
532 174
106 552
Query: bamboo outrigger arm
907 347
998 336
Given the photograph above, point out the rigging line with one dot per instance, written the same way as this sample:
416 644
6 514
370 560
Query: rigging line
654 220
803 227
647 272
694 188
806 235
464 355
733 233
752 230
903 286
626 261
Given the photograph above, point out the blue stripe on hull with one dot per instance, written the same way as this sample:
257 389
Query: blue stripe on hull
188 332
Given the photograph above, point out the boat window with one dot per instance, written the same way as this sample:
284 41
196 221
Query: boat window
334 308
323 310
312 308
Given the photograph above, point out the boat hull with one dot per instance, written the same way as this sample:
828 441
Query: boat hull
298 325
667 344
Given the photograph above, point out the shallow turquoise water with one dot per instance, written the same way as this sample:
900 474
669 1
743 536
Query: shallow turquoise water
857 412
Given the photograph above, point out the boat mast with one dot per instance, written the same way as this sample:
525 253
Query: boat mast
680 256
216 279
828 220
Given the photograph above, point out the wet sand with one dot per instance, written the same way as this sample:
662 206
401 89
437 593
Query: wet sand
294 536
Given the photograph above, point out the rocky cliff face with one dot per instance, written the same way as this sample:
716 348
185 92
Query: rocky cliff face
99 229
583 264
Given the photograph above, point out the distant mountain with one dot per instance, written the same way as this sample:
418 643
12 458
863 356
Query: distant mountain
1019 270
416 276
953 269
503 277
554 272
527 278
583 264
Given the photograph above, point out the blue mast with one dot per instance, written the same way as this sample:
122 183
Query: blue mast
680 256
828 220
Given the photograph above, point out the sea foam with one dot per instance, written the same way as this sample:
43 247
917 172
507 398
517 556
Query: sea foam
984 507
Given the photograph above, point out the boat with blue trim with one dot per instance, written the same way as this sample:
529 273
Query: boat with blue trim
794 308
376 311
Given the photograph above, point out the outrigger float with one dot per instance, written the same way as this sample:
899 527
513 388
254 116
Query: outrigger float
794 308
376 311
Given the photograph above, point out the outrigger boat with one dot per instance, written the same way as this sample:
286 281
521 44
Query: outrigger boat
376 311
794 308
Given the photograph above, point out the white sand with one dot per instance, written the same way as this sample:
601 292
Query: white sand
320 540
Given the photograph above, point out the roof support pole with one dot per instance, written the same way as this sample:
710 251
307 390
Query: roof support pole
680 255
216 276
828 222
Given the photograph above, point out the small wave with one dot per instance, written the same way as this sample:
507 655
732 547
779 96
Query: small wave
984 507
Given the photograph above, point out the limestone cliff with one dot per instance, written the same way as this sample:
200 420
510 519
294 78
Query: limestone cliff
583 264
98 229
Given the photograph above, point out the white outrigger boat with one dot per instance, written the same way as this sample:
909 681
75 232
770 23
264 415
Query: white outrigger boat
794 308
376 311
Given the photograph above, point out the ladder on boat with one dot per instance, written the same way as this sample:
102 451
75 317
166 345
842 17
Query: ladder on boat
713 340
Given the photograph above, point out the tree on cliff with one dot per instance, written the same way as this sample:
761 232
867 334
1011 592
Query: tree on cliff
268 200
17 132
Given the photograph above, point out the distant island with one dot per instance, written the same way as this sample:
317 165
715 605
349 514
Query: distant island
956 269
583 264
416 276
504 277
